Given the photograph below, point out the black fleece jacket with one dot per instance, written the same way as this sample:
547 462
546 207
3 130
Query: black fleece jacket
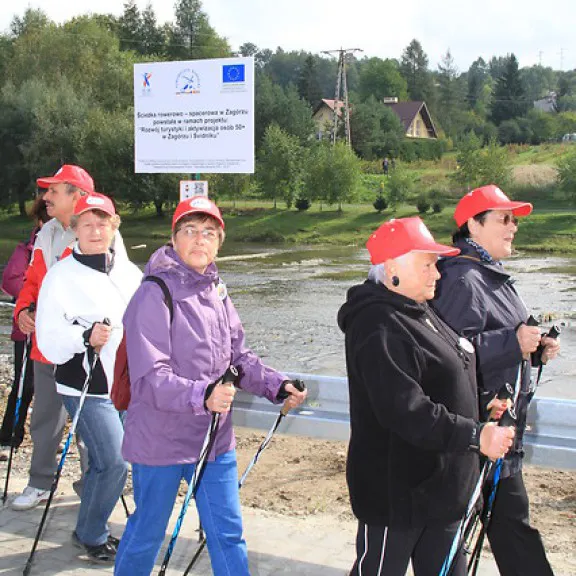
413 410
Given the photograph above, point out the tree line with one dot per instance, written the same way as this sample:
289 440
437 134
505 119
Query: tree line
66 96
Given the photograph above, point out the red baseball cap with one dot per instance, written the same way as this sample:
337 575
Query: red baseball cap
487 198
400 236
197 205
94 201
71 175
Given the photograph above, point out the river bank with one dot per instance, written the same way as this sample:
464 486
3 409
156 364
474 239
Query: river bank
550 230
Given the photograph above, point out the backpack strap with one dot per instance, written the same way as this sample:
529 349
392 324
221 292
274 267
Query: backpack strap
165 290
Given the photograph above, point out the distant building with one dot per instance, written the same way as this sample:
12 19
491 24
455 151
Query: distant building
546 104
415 117
323 116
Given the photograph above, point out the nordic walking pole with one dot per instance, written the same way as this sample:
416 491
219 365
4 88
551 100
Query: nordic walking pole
16 418
229 378
71 432
508 419
299 385
463 530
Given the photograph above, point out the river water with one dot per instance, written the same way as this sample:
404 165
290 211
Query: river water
288 300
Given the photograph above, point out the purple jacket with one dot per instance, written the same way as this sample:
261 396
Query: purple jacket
171 365
13 276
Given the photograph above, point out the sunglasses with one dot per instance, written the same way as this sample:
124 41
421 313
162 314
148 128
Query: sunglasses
506 219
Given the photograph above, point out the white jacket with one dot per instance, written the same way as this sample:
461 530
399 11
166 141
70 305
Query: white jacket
77 292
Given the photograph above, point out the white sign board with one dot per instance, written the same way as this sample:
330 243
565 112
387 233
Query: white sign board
194 116
189 188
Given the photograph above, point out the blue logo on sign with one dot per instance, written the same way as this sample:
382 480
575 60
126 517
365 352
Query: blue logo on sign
232 73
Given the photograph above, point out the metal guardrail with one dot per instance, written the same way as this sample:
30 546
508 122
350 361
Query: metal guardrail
550 438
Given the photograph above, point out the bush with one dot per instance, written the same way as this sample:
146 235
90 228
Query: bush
437 207
412 150
422 204
302 204
380 204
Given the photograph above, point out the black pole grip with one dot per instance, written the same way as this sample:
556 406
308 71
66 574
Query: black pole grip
506 392
32 307
532 321
107 322
299 385
554 332
230 376
507 419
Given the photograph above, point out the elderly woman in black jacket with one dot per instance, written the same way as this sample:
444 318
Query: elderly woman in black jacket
477 298
415 437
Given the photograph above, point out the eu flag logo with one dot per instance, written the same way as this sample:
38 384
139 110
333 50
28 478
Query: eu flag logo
232 73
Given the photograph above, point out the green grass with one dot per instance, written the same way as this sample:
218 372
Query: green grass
550 230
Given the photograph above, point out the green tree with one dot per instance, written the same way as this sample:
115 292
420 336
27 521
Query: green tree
479 166
381 78
279 165
130 25
509 96
308 85
284 107
467 167
450 95
414 68
478 76
376 130
332 174
153 39
32 21
545 126
192 37
538 81
400 187
87 54
567 176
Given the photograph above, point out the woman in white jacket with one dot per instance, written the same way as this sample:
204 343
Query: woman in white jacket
77 294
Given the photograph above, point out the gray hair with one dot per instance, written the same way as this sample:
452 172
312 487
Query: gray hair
377 272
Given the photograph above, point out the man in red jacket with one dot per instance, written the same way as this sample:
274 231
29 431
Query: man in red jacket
53 242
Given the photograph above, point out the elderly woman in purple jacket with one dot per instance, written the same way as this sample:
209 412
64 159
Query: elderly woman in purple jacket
174 363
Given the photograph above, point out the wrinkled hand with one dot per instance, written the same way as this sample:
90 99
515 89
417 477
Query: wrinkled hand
296 397
528 339
221 398
100 335
498 406
495 441
26 321
551 348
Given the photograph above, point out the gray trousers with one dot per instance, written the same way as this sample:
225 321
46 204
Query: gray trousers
46 426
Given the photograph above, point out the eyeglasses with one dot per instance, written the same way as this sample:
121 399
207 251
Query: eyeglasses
206 233
506 219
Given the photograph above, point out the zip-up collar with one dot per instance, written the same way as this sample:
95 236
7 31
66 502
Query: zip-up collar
99 262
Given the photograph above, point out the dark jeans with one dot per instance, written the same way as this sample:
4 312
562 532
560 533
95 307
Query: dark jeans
27 394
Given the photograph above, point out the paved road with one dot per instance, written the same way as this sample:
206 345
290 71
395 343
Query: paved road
313 546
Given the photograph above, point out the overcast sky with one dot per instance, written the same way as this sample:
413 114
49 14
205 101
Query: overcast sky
536 31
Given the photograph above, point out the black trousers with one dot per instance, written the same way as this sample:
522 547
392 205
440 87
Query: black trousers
27 394
517 546
384 551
